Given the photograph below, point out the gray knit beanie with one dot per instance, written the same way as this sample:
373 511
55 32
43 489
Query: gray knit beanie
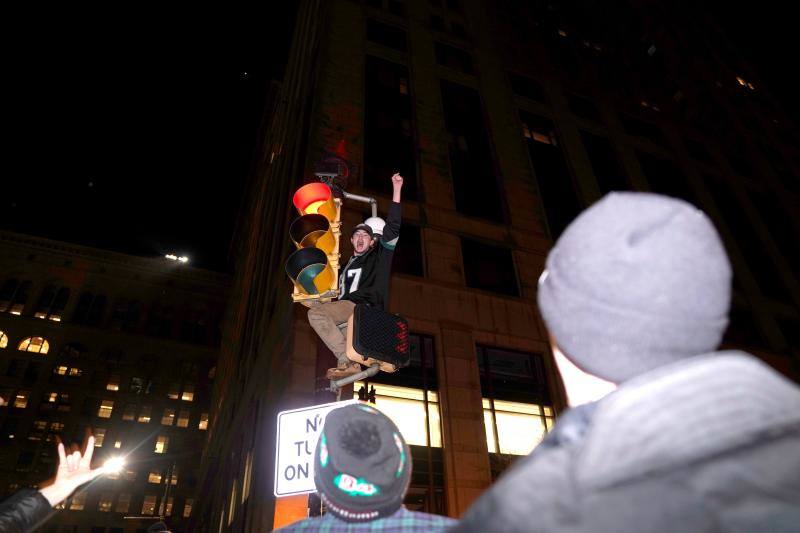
637 281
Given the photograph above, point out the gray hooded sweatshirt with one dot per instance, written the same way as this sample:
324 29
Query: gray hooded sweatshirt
710 443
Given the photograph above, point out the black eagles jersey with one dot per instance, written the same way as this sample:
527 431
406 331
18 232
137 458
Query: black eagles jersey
365 277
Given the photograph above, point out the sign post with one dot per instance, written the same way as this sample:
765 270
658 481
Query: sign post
298 432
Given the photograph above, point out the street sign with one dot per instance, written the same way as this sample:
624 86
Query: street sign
298 432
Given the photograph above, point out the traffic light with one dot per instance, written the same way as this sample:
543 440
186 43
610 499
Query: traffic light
376 337
314 266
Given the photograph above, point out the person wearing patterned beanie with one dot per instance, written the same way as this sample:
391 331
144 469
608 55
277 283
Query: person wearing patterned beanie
362 468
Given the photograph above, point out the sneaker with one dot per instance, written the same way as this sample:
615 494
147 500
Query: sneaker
343 369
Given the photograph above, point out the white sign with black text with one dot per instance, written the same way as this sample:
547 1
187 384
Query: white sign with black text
298 432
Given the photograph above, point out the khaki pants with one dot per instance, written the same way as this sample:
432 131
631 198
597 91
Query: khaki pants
325 319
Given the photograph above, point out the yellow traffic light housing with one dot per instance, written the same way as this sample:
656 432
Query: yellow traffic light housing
314 266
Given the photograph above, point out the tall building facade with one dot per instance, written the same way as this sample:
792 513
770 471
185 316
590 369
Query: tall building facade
506 119
122 346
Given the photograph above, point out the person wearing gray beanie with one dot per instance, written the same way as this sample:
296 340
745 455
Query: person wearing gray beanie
664 433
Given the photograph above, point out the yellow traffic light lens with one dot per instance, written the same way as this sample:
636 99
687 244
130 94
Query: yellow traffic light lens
312 230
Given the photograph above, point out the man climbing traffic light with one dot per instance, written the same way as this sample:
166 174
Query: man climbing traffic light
363 280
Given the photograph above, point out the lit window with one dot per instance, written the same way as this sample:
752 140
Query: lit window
168 418
130 412
203 424
99 437
154 476
168 510
52 397
518 426
173 478
35 344
149 505
78 501
118 444
187 507
75 372
56 427
130 475
113 383
123 502
232 504
144 414
3 340
406 407
188 393
106 408
161 444
105 502
174 391
516 417
183 419
21 399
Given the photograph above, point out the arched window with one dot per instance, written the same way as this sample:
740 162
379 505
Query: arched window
52 303
90 309
35 344
73 349
14 296
3 339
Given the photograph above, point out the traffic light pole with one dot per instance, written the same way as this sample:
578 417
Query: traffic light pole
365 199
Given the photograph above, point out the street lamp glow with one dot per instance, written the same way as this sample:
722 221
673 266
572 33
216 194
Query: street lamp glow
171 257
181 259
114 465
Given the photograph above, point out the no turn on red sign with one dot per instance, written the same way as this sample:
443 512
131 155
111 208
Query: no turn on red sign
298 432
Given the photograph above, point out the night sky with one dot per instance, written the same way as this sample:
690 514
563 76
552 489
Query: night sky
135 132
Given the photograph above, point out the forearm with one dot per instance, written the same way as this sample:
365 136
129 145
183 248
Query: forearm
392 229
396 193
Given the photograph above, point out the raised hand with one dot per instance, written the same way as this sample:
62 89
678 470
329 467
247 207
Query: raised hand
397 180
73 471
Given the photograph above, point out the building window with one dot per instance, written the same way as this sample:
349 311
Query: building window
183 419
149 505
173 477
21 399
34 344
105 502
389 36
407 408
3 339
605 163
647 130
408 256
69 371
51 303
72 350
755 253
388 128
161 444
99 437
664 177
168 418
559 194
90 309
106 408
129 413
475 181
188 393
123 502
248 473
113 383
187 507
203 424
584 108
166 510
154 477
410 399
14 296
144 414
174 391
489 268
454 58
516 402
78 501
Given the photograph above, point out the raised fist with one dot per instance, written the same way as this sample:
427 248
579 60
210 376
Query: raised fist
397 180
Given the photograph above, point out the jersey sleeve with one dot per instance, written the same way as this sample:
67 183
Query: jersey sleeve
391 232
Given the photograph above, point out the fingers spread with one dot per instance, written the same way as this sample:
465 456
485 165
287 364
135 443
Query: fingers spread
62 456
